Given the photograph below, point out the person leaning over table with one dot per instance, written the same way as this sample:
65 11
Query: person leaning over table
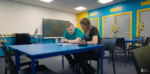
72 35
91 36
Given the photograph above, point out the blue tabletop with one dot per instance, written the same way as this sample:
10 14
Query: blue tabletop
132 40
40 49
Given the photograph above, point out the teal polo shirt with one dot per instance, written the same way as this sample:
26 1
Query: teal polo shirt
77 33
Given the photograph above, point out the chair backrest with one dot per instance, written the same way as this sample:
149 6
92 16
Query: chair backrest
22 38
11 65
109 44
146 43
120 42
141 59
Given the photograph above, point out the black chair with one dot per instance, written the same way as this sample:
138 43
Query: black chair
109 45
141 59
120 48
41 69
20 40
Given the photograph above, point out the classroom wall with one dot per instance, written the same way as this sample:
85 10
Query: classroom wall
23 18
131 5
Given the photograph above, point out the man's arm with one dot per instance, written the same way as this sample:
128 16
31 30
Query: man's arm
64 37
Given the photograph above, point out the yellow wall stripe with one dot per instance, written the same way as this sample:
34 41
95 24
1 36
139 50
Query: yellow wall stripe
79 17
145 3
115 9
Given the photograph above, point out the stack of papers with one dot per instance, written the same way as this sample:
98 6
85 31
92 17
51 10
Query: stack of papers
67 44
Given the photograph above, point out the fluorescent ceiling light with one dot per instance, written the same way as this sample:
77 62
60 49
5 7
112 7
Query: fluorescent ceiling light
48 1
80 8
104 1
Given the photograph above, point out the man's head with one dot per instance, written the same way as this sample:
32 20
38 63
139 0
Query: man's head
70 28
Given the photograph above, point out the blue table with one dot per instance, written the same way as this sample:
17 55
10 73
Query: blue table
39 51
132 43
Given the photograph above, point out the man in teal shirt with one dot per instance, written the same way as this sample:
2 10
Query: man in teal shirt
72 35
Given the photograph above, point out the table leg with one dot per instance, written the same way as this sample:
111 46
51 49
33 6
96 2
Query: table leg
101 60
127 51
17 59
131 49
62 61
33 65
142 43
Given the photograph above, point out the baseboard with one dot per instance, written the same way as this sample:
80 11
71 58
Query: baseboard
1 56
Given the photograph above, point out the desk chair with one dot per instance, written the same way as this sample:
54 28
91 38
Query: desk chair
41 69
141 59
120 48
109 45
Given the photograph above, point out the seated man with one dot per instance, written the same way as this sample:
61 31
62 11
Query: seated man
72 35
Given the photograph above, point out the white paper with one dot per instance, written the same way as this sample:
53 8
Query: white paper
68 44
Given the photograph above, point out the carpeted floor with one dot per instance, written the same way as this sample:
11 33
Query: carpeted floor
55 64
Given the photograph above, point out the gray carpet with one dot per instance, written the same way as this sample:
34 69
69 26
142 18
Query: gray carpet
55 64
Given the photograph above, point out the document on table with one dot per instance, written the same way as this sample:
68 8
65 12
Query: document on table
67 44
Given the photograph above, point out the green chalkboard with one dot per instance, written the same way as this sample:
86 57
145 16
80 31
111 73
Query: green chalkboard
54 28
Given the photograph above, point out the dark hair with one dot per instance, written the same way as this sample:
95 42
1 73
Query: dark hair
86 22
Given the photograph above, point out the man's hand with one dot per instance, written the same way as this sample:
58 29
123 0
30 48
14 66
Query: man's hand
62 40
66 40
82 41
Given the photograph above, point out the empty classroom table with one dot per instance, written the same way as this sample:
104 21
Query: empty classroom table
132 41
39 51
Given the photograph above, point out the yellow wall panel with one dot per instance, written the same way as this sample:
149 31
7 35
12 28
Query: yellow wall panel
79 17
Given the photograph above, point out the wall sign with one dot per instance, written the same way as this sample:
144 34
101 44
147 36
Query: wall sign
93 14
115 9
145 3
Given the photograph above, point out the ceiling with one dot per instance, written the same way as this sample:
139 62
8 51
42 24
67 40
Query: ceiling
69 5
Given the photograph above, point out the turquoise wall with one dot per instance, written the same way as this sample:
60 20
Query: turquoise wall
12 41
131 5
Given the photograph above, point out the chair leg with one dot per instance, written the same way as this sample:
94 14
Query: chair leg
29 65
109 58
37 63
98 65
62 61
125 58
128 55
90 62
5 70
69 65
78 68
115 56
113 64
